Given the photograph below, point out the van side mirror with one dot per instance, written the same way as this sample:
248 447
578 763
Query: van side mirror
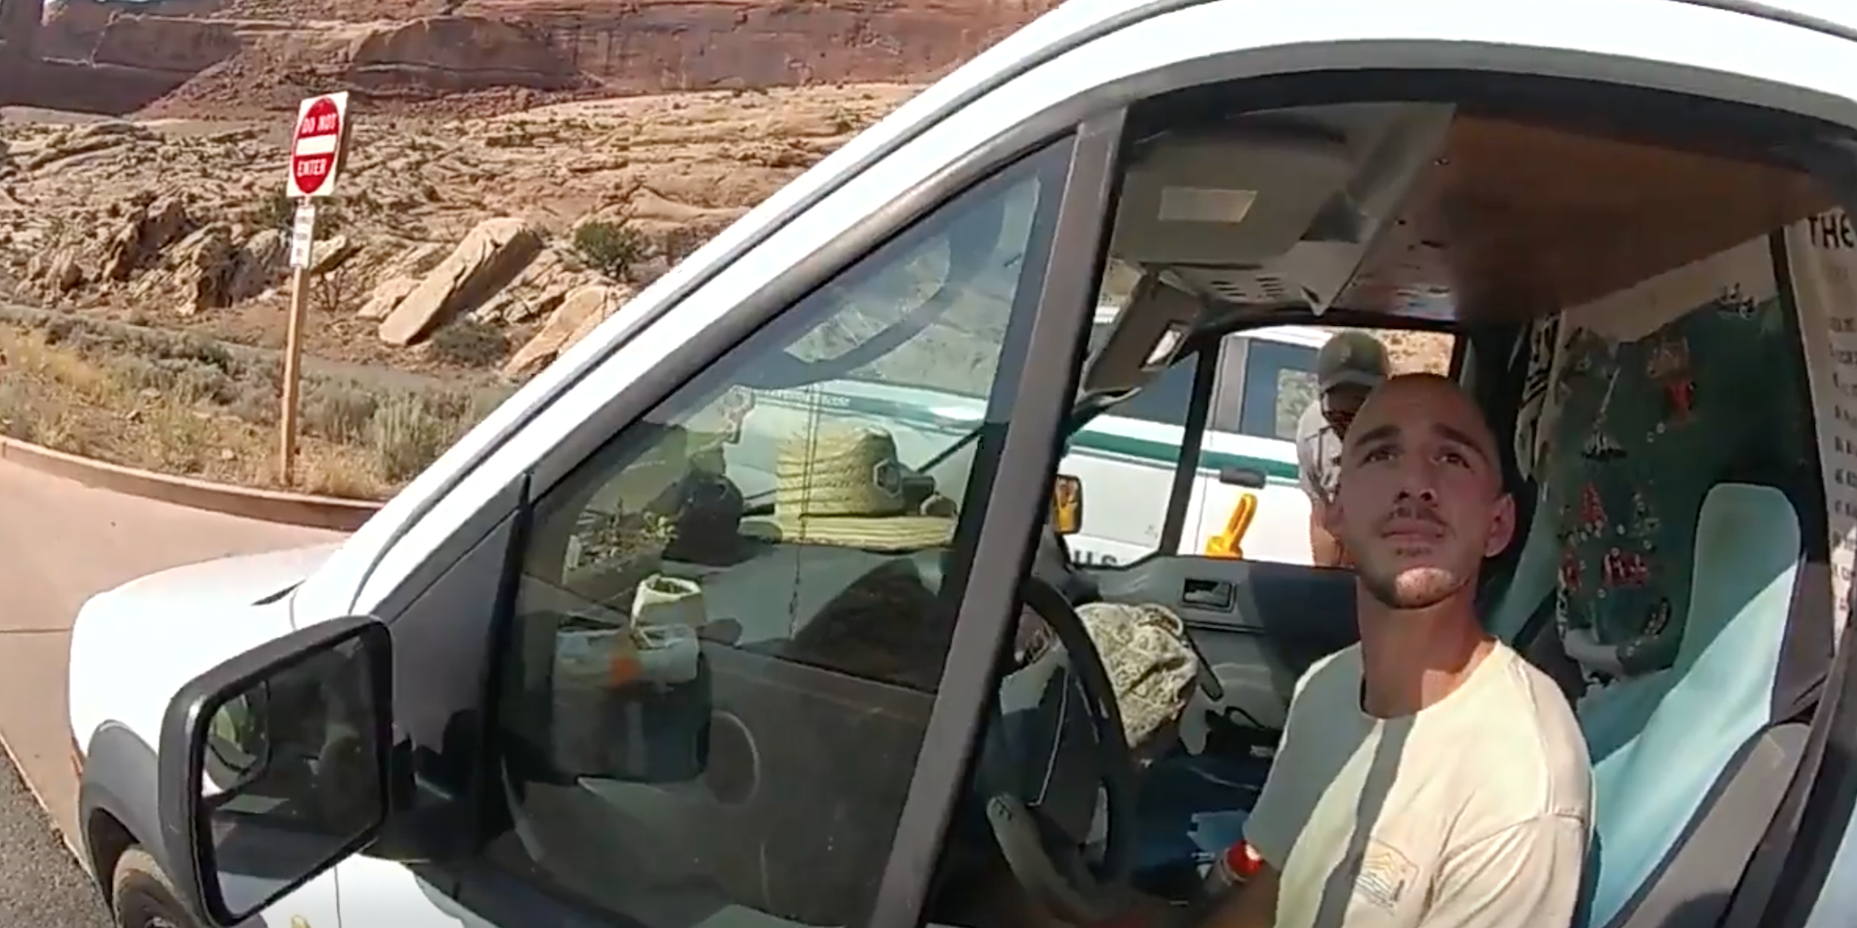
1067 505
275 766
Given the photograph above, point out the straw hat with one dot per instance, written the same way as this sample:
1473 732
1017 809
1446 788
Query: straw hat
843 485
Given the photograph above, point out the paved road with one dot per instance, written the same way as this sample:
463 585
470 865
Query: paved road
39 883
61 542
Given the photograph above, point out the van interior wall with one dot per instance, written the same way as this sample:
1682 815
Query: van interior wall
1821 263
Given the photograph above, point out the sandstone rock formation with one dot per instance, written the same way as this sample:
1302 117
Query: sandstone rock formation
265 53
580 311
19 29
463 229
488 259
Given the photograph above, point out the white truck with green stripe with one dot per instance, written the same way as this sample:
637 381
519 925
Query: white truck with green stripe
1125 457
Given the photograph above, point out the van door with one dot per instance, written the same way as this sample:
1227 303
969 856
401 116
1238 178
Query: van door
807 594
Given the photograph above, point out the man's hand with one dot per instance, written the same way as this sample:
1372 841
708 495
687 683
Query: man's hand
1251 905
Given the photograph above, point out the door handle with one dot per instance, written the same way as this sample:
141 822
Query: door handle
1209 594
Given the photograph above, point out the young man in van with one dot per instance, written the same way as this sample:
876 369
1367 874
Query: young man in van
1347 368
1370 815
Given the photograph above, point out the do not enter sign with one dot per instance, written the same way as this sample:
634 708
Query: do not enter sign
316 145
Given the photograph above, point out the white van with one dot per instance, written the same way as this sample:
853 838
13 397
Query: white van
524 694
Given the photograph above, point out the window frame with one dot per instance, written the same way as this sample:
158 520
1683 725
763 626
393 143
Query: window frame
1033 390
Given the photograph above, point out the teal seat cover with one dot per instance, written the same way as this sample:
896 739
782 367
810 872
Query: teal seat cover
1660 742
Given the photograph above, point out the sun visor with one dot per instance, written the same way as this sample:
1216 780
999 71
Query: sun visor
1277 209
1148 335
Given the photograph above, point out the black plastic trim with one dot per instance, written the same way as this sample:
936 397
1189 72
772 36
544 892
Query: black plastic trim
454 548
1208 361
1014 508
120 779
183 731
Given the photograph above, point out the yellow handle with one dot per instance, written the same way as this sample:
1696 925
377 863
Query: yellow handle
1226 543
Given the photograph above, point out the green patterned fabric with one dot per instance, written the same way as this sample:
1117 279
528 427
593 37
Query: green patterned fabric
1644 429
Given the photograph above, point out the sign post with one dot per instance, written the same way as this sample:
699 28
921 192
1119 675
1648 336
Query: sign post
316 152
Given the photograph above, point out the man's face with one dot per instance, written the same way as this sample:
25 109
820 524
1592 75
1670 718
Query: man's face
1420 502
1341 403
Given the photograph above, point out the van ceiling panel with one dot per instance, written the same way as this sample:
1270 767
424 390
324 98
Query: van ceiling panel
1519 220
1317 184
1504 220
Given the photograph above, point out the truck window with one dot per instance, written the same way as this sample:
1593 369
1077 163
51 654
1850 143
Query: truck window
702 698
1279 383
1163 400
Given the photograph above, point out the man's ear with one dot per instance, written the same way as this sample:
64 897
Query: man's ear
1328 514
1502 526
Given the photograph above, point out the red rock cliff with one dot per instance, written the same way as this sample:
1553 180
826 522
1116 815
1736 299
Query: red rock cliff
19 31
658 45
415 48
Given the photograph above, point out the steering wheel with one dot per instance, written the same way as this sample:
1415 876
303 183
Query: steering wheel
1056 745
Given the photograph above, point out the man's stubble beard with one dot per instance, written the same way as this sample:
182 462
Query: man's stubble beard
1383 585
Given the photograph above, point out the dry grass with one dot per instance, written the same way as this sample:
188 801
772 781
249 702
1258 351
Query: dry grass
176 403
182 405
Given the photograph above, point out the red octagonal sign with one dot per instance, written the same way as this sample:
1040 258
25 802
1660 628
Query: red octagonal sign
313 151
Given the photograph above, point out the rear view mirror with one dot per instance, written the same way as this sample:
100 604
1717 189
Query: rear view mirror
1249 478
274 766
1067 505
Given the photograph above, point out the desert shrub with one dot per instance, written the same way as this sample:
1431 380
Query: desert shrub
469 343
609 247
337 412
680 241
276 211
409 431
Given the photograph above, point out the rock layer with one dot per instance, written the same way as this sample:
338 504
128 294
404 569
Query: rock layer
266 54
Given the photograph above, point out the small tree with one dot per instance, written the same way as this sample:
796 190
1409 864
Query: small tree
609 247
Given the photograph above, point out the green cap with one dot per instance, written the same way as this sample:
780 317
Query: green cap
1351 358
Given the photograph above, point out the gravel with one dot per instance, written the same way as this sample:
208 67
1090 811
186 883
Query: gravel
40 885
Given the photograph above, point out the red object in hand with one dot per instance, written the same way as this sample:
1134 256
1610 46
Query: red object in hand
1242 861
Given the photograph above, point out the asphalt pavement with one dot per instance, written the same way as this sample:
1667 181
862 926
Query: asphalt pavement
40 885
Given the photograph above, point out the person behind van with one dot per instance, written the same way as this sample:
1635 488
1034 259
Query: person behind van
1347 368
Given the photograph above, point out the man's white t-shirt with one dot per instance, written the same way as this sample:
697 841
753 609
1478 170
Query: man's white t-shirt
1475 812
